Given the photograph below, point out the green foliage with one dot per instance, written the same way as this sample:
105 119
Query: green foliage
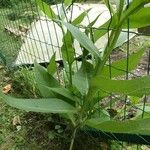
46 9
141 14
24 83
67 2
119 66
28 9
11 3
5 3
44 80
81 78
135 87
52 67
68 51
82 39
49 105
140 126
77 97
27 16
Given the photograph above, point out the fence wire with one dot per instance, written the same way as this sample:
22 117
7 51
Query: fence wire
28 35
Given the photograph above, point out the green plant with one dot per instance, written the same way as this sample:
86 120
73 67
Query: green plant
24 83
27 14
5 3
11 3
77 98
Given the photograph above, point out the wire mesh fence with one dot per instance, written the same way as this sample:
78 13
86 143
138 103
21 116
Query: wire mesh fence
28 35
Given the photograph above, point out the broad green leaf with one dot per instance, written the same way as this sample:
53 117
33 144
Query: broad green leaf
52 67
64 92
50 105
119 67
81 78
134 7
42 77
82 39
46 9
135 19
135 22
136 87
68 52
61 92
139 127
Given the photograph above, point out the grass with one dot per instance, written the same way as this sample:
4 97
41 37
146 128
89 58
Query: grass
10 136
35 130
22 14
7 48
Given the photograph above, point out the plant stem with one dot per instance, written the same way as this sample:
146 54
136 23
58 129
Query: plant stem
99 67
73 138
114 37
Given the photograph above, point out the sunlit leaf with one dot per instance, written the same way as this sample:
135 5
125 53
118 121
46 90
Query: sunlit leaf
135 87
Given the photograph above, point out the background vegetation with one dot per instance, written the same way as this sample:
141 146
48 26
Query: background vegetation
11 3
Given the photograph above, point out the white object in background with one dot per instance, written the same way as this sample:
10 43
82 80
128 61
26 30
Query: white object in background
45 37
